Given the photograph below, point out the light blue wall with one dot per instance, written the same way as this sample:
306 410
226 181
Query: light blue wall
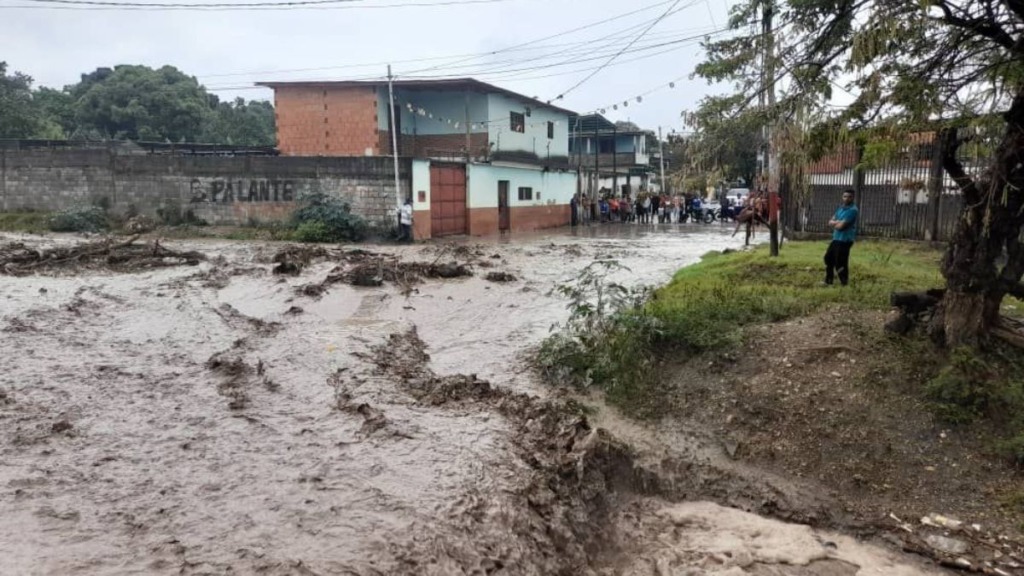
554 187
535 138
439 108
420 182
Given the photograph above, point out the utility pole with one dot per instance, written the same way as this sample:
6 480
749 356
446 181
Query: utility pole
770 167
661 158
394 134
615 160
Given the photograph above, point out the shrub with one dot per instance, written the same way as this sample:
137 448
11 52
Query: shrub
312 232
607 341
338 222
961 392
79 219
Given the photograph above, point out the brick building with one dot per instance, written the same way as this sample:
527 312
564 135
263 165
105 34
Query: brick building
485 159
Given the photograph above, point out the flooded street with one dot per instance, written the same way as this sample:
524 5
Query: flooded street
219 419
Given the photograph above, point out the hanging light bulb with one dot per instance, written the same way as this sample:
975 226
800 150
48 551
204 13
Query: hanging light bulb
456 125
625 104
639 99
671 84
602 110
615 107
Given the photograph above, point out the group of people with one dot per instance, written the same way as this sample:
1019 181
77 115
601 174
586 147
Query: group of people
644 208
648 208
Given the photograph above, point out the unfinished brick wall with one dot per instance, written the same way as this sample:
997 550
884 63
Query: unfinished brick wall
338 121
216 189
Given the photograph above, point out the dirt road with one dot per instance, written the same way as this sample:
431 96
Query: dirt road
218 418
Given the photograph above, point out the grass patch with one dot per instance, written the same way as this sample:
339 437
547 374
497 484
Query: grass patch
706 306
611 337
32 222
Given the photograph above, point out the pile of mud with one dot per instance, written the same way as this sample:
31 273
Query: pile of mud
566 516
113 254
821 398
364 268
559 518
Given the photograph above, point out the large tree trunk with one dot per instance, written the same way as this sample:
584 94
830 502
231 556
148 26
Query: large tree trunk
988 229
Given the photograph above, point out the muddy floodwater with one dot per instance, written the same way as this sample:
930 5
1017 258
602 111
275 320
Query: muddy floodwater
221 419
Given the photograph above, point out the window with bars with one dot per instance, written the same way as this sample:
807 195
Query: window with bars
525 193
517 122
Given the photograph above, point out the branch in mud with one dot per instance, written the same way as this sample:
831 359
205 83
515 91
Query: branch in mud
124 256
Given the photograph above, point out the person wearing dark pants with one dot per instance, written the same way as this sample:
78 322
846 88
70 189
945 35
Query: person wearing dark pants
844 232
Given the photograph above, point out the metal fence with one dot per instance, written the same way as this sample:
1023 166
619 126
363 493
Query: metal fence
907 195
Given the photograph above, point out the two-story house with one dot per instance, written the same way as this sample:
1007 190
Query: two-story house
611 159
485 159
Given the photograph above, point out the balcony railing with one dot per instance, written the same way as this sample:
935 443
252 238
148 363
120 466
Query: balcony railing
622 160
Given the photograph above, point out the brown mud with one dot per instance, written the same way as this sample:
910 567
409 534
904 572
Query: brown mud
831 398
214 420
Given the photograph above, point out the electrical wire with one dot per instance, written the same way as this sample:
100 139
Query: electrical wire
105 5
610 60
515 74
566 32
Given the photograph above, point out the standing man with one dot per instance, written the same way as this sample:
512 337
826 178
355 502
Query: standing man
844 232
405 218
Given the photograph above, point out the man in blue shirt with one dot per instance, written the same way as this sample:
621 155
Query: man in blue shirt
844 232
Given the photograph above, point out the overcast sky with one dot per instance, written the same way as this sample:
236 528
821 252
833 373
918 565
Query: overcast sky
228 50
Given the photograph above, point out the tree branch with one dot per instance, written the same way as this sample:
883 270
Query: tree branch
1015 6
991 30
950 144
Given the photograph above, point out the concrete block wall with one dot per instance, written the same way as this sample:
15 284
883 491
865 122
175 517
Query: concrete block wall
220 190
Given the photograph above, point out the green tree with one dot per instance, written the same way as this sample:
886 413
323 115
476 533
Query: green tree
19 117
906 63
140 103
241 123
725 140
56 109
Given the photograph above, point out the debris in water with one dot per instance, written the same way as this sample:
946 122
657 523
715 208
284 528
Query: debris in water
126 256
499 277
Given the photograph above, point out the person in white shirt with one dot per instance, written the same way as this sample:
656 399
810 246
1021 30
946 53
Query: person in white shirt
405 219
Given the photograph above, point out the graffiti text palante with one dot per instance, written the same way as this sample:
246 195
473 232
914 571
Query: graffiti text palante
242 191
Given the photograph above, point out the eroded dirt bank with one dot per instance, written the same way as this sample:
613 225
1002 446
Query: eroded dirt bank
207 416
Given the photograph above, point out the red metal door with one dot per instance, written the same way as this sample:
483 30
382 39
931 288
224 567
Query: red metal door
447 200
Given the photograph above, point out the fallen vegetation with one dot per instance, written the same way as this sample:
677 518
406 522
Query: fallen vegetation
115 254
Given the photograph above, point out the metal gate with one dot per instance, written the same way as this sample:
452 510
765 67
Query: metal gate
504 218
447 200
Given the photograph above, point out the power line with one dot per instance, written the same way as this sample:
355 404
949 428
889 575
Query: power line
498 76
99 5
565 33
569 58
579 43
626 47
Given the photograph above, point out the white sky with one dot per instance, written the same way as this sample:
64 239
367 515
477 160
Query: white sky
56 46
